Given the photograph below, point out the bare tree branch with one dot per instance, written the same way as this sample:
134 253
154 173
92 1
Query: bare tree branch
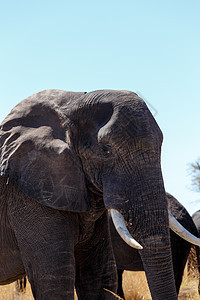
195 168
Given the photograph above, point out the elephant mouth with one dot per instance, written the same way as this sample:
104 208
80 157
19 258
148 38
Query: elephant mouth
119 223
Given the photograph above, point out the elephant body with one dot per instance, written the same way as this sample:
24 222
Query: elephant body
65 159
60 245
196 220
128 258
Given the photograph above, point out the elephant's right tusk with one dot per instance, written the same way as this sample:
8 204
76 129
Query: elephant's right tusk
181 231
120 226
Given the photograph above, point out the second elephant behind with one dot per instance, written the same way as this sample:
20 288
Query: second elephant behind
128 258
195 260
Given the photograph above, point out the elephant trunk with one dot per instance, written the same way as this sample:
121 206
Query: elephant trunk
145 210
152 231
156 258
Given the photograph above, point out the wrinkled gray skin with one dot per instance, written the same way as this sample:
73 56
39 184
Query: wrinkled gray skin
65 159
196 219
128 258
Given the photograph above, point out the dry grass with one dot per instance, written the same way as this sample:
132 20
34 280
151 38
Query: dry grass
134 284
8 292
189 289
136 288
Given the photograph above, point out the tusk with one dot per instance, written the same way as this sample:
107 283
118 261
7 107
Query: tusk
181 231
120 226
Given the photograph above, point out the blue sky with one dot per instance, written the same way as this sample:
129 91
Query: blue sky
150 47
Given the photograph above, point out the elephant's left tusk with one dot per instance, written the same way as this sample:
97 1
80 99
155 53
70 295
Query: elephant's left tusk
120 226
181 231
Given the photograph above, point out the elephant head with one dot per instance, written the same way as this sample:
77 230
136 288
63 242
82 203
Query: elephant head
66 149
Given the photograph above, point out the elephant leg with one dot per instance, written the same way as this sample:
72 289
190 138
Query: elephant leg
95 265
46 239
120 291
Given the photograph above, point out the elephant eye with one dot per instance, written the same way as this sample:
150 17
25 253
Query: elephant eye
107 149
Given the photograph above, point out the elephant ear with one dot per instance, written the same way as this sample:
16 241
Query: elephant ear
36 154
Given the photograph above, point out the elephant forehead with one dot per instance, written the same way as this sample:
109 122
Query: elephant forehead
129 124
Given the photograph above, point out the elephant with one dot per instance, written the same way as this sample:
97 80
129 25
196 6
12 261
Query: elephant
196 220
66 158
128 258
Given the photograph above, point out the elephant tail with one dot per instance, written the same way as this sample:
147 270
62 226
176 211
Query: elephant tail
20 285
